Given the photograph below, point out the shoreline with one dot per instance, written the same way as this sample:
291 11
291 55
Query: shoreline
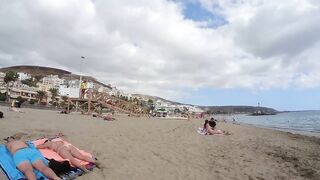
300 130
140 148
304 133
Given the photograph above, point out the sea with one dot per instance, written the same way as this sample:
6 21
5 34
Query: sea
301 122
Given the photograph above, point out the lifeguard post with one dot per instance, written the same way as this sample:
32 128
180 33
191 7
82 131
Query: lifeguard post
96 101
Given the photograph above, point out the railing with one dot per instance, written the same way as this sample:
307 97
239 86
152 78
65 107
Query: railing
120 104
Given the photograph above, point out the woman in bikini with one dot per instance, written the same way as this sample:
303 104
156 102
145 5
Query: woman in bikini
67 151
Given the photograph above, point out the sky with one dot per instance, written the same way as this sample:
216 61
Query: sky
203 52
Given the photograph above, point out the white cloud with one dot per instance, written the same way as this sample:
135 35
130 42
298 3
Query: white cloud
149 47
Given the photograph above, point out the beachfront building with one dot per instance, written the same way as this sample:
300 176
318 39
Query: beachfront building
27 93
44 87
23 76
53 81
18 89
115 92
103 89
72 92
196 112
2 75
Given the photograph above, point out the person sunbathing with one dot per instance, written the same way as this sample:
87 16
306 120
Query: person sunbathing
26 158
14 109
67 151
64 111
107 117
209 127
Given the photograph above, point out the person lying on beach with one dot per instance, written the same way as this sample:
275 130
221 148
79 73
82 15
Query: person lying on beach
107 117
65 111
13 109
209 127
26 158
67 151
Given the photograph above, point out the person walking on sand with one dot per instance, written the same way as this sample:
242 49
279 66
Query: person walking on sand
26 158
67 151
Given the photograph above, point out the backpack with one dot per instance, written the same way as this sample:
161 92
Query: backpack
59 167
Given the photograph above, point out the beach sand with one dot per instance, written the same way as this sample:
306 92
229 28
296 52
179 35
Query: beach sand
142 148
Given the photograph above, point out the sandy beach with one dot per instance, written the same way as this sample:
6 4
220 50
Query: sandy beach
152 148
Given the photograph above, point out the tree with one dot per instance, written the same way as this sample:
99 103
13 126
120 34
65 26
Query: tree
21 99
150 101
30 82
41 95
9 77
37 78
3 96
54 93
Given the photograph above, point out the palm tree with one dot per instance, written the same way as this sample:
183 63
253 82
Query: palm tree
41 95
54 93
10 76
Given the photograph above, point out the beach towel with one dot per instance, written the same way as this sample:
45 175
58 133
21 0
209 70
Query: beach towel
49 154
203 131
9 168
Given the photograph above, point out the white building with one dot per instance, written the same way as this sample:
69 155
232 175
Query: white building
52 80
74 83
115 92
72 92
102 89
2 75
23 76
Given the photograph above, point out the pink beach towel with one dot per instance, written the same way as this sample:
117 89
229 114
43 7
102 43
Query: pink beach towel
49 154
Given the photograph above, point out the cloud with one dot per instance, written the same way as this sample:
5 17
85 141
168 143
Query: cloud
152 47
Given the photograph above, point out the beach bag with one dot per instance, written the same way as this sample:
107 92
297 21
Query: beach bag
59 167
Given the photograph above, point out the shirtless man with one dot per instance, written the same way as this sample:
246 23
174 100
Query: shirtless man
67 151
26 158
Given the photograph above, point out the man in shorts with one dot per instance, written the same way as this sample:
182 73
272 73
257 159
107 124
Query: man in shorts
26 158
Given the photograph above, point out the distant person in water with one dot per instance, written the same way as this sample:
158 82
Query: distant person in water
1 114
210 128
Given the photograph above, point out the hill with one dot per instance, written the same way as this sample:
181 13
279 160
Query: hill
44 71
36 70
237 109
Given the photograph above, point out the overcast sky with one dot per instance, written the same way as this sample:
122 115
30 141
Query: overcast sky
206 52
